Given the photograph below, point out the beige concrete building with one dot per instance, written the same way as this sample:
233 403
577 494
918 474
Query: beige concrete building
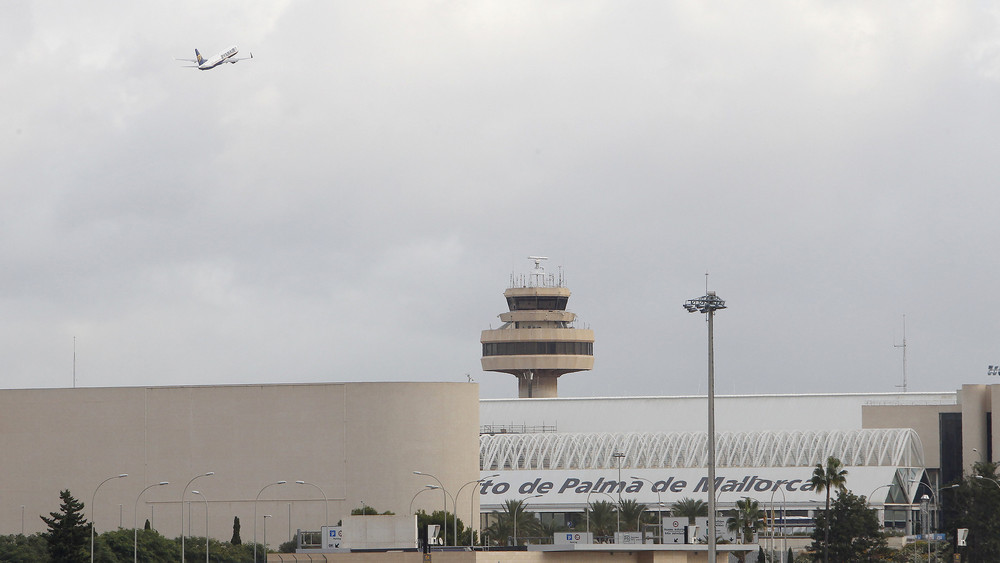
353 443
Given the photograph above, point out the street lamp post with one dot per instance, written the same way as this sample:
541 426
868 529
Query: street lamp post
783 500
659 503
183 493
206 521
617 512
472 507
619 456
135 521
883 504
92 521
521 504
708 304
266 516
424 490
255 518
444 495
326 502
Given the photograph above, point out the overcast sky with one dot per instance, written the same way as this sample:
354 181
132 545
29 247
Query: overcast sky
350 204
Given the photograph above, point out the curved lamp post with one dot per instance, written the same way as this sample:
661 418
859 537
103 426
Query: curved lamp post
266 516
659 503
135 520
326 502
472 506
183 493
206 522
708 304
783 540
424 490
92 521
445 496
519 508
617 512
994 481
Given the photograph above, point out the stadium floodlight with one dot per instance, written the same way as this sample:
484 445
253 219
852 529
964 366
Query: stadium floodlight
709 304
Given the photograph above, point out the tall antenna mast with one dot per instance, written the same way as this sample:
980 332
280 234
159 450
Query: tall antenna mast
903 346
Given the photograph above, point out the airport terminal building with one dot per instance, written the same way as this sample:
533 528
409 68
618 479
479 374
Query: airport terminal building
359 444
896 447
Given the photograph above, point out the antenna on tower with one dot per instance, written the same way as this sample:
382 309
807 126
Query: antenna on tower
903 346
538 274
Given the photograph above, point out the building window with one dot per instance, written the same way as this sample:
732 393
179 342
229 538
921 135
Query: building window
537 303
538 348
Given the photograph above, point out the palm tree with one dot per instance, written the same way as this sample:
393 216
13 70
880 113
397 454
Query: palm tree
833 476
504 524
602 517
690 508
631 512
747 520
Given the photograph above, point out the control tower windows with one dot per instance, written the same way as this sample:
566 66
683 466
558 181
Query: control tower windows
537 303
538 348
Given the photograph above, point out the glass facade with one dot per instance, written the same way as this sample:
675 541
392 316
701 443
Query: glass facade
538 348
537 303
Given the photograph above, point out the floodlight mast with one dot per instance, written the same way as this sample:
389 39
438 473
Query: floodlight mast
709 304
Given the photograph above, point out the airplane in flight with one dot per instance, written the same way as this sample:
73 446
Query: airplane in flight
227 56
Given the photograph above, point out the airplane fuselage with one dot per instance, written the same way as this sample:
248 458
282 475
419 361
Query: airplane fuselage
227 56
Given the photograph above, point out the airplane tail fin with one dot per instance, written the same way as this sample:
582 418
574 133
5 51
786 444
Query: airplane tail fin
198 56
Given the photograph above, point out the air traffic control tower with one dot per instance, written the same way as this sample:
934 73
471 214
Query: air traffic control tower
537 341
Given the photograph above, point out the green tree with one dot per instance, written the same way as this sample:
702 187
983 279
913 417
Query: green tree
633 513
602 518
917 551
760 555
69 532
747 519
24 549
116 546
976 505
513 519
832 476
689 508
370 511
851 531
236 540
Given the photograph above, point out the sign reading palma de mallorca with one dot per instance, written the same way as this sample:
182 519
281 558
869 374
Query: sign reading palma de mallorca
649 486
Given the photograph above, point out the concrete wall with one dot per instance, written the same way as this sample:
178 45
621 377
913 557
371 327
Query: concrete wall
734 413
922 418
975 401
357 442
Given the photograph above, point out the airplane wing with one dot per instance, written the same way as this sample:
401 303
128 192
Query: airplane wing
241 58
186 60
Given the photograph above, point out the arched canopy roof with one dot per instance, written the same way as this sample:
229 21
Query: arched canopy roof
899 447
